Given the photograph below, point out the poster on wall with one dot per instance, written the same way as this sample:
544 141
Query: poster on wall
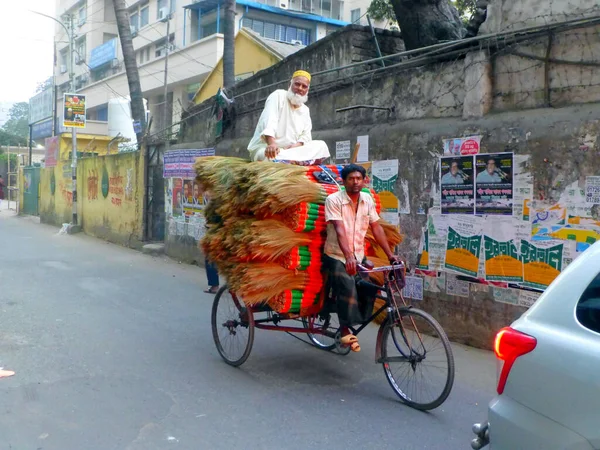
463 244
384 177
436 234
180 163
542 262
457 187
501 253
193 200
363 150
177 197
51 157
462 146
592 190
494 184
74 111
342 150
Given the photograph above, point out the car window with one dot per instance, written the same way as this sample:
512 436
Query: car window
588 307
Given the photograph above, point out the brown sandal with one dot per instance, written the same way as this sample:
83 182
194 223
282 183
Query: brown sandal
350 341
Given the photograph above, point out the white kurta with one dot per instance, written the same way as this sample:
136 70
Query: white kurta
288 126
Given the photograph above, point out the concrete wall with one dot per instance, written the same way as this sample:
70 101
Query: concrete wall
509 14
110 196
56 194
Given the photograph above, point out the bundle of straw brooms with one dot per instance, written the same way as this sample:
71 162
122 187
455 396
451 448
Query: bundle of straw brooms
266 230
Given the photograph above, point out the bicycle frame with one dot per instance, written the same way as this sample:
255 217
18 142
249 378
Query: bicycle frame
391 286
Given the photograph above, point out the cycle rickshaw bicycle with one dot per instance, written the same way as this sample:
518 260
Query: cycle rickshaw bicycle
411 345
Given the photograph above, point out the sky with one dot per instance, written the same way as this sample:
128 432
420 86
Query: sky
26 42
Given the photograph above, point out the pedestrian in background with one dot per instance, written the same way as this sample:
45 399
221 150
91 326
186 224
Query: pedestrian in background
212 275
2 186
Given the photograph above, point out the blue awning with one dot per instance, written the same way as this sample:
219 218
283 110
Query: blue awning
208 5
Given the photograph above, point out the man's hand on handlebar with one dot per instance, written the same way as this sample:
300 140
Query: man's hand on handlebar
394 259
351 266
272 151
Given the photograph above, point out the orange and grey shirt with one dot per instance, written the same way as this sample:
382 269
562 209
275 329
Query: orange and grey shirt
338 206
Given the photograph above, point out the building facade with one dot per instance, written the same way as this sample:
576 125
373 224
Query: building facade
194 46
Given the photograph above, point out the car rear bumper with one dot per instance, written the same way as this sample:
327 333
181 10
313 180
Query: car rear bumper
514 426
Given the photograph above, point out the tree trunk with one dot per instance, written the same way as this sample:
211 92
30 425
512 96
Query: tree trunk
427 22
133 77
229 47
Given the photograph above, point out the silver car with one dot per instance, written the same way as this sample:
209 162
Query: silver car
549 368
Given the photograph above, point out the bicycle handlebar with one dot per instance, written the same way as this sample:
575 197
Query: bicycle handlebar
364 269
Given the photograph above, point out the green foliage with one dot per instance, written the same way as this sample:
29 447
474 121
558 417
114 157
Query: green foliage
11 139
18 120
381 10
14 159
466 8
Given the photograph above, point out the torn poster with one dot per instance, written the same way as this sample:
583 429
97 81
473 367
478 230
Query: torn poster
437 231
592 190
413 288
363 151
462 146
456 287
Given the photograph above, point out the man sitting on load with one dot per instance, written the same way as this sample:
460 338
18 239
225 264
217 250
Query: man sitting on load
284 129
348 214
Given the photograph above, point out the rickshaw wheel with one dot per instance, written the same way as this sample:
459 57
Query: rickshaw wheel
232 327
323 322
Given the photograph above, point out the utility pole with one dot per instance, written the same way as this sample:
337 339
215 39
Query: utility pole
71 20
229 48
166 88
71 36
133 77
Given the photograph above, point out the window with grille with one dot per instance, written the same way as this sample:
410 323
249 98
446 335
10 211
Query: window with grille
277 31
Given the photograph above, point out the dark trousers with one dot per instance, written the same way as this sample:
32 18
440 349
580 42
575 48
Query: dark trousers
211 274
354 304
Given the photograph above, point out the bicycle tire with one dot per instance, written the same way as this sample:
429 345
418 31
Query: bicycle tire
411 356
243 318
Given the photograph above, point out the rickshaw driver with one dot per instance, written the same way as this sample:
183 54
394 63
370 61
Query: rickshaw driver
348 214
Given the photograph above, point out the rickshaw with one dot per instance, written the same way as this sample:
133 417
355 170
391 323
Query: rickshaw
411 346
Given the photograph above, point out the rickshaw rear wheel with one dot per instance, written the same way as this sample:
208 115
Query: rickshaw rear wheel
232 327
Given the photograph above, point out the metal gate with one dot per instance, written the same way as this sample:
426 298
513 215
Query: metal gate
31 190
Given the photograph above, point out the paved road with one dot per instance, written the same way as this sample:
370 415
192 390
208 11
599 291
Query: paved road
113 350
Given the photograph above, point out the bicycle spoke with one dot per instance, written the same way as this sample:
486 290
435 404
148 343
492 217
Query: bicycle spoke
417 359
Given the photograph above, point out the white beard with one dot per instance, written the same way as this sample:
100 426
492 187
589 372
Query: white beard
295 99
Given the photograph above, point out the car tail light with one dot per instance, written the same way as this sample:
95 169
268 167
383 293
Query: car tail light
508 346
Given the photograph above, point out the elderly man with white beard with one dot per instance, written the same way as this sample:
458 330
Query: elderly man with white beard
284 129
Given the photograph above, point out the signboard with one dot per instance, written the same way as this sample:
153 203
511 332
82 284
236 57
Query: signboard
41 129
40 106
74 111
103 54
52 144
180 163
